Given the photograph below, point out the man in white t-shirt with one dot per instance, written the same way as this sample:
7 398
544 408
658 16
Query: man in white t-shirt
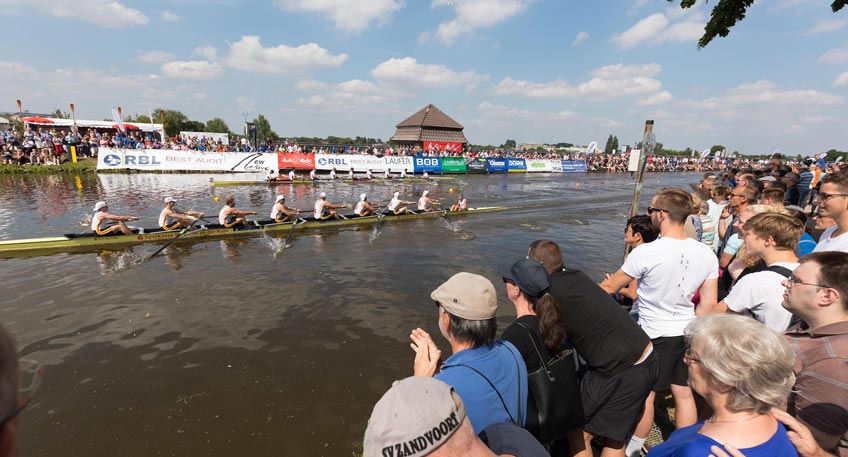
670 271
833 201
772 237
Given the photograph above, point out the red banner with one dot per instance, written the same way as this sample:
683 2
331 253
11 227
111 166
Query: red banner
286 161
433 146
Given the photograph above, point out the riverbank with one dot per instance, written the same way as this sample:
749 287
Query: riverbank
82 166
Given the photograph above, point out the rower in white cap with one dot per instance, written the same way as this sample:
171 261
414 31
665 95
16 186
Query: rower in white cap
172 218
282 213
103 223
425 203
325 210
364 207
398 206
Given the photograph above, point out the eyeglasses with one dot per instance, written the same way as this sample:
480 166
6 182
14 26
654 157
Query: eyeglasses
652 210
735 195
689 357
794 281
31 375
825 197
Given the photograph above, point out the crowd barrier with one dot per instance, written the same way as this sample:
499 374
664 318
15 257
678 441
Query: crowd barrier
171 160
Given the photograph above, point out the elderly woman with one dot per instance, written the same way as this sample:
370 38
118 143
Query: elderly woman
742 369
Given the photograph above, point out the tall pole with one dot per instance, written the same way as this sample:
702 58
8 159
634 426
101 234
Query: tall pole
649 141
21 116
73 147
74 118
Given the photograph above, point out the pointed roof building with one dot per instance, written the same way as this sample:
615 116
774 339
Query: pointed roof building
429 124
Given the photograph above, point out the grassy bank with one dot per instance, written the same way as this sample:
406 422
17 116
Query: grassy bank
82 166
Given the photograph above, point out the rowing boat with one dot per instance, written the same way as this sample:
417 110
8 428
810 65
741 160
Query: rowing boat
323 180
76 242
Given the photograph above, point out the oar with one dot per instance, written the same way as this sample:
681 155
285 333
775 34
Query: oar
179 235
380 216
444 213
297 221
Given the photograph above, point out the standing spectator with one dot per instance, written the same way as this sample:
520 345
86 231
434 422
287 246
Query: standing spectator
622 365
488 374
670 270
833 200
793 194
804 179
818 293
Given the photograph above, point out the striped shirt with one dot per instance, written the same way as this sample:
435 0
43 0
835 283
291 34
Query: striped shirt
820 396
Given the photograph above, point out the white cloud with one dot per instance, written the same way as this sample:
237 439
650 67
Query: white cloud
407 71
168 16
579 38
191 69
841 80
154 56
355 92
658 98
766 93
307 85
608 82
658 28
826 26
348 15
509 112
248 54
105 13
15 68
210 52
245 104
475 14
834 56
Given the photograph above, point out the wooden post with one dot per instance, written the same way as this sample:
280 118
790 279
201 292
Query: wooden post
73 148
21 116
648 144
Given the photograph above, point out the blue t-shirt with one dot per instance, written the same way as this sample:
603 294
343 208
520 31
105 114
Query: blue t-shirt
806 245
503 365
687 442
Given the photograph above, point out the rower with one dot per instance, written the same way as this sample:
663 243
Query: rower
425 175
172 218
403 173
292 176
397 206
282 213
425 203
368 174
387 174
312 175
364 207
324 209
350 173
333 173
103 223
461 204
230 216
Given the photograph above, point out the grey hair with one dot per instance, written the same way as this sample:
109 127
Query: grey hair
744 354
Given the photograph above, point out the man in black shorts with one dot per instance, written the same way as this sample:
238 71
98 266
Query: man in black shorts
622 367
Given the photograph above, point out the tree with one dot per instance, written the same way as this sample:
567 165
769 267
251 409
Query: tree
727 13
614 143
217 125
57 113
263 129
717 147
173 120
193 126
509 144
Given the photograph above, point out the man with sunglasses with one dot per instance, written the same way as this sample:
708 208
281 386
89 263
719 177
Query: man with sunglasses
833 202
817 292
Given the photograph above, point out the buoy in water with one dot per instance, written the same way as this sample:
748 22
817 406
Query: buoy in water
450 190
577 184
217 199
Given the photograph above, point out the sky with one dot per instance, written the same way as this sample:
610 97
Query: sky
535 71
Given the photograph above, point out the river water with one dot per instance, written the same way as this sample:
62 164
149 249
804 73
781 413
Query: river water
225 347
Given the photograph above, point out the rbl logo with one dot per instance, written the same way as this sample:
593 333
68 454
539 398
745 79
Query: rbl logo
112 160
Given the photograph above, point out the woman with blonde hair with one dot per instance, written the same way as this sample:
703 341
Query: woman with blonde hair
742 369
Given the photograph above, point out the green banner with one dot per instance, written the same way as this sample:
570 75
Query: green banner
452 165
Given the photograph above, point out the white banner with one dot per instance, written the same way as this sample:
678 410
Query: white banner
169 160
362 163
538 165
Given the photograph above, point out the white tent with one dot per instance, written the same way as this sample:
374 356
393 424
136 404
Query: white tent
3 120
82 123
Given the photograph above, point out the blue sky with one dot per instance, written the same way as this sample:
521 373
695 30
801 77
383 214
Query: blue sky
529 70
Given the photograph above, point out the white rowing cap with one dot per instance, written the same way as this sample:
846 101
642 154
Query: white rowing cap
281 197
99 205
425 193
397 194
363 197
322 195
170 199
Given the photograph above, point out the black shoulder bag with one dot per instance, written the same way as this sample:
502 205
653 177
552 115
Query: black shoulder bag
556 393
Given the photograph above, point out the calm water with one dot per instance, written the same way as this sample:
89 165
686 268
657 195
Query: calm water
229 347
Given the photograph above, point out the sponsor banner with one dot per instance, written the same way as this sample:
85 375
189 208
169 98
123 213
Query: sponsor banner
366 162
496 165
428 164
396 164
439 146
453 165
556 165
573 166
514 165
295 161
330 161
169 160
475 166
538 165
